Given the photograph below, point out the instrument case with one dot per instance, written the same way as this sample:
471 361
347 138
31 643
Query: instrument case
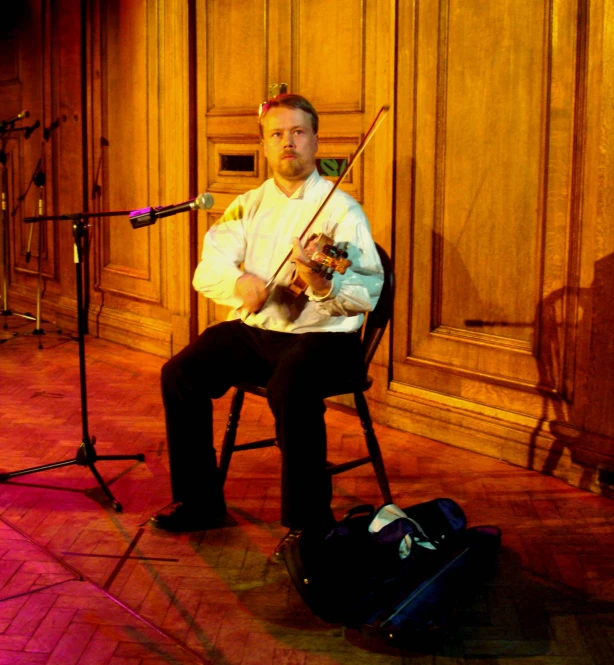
396 578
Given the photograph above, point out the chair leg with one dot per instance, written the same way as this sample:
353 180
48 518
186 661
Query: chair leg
230 435
373 446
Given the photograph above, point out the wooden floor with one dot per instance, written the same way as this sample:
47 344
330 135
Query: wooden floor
83 584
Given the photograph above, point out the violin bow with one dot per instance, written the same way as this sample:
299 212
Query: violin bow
367 137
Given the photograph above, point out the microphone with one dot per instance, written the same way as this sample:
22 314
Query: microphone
147 216
20 116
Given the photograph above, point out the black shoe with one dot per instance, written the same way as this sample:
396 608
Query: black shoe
178 517
279 555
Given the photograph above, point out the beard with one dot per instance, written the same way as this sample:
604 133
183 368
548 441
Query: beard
292 168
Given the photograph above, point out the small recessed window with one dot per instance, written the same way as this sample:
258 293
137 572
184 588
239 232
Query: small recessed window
238 163
332 167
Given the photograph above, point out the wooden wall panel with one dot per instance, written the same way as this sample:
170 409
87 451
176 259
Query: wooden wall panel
490 183
130 124
25 158
492 325
493 219
49 86
330 70
596 288
236 34
108 82
489 159
346 72
139 157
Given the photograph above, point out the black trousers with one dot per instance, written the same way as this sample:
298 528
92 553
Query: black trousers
298 370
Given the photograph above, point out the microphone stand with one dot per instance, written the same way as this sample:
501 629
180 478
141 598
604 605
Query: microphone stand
38 179
86 453
4 231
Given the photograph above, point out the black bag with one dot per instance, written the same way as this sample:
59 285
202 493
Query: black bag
391 577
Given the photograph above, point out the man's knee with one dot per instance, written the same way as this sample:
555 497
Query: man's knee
175 365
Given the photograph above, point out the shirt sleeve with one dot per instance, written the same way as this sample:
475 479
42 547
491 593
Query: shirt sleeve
223 252
358 289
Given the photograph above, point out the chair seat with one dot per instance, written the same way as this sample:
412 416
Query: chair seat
253 389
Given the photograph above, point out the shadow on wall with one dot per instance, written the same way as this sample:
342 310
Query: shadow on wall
15 15
595 322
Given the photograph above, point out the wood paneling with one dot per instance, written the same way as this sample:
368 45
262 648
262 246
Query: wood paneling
110 88
492 190
130 125
330 70
51 157
338 55
597 262
236 37
489 182
491 319
138 104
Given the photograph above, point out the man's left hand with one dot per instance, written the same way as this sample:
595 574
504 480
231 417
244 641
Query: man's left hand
300 257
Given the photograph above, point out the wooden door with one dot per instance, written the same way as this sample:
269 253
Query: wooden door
28 154
489 310
137 120
337 54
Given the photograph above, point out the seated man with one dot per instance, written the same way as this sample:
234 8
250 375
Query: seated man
285 342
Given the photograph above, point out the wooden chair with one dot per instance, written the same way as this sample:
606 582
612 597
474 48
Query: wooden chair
373 330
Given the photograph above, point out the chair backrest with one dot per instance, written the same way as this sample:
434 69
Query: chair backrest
378 319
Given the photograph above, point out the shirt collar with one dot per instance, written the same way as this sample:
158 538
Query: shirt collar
304 188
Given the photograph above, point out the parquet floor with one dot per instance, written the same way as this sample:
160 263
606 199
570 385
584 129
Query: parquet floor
81 584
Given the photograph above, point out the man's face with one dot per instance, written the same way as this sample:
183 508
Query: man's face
289 143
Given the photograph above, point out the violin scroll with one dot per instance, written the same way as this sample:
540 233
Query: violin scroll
329 258
326 259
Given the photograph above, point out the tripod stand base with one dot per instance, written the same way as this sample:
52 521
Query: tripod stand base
8 312
86 456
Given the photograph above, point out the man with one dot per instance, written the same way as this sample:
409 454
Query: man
301 348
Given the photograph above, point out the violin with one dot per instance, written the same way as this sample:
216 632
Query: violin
326 257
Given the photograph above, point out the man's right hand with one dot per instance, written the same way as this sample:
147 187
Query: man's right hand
252 291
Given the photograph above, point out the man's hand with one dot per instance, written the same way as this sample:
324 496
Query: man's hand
252 291
300 257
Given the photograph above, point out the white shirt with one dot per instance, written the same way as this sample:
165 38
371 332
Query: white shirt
255 235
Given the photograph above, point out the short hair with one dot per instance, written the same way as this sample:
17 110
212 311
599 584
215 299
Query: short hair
289 101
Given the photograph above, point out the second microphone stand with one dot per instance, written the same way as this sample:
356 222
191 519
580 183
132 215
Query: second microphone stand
86 453
4 229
